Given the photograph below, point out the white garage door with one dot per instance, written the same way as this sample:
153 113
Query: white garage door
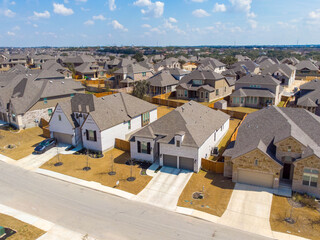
255 178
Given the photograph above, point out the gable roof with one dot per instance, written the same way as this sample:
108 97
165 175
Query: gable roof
162 79
198 123
259 79
306 64
286 69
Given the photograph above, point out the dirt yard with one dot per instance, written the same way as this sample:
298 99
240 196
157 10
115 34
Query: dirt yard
23 230
307 223
163 110
243 109
217 193
73 166
24 142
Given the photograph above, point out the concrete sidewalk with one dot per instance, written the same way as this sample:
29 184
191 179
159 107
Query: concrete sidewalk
53 232
165 188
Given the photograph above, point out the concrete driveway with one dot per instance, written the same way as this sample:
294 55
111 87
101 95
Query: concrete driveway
249 209
165 188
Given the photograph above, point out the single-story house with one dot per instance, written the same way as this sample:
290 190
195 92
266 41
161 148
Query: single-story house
95 123
181 138
162 82
274 148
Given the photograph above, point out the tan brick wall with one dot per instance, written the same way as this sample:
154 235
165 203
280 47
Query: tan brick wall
139 77
296 148
310 162
247 161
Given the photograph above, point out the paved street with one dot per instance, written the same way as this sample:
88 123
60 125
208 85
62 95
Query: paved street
101 215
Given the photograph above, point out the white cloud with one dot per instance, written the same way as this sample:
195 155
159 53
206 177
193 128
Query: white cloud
200 13
172 20
99 17
219 7
61 9
145 26
244 6
154 9
11 33
81 1
66 1
13 3
44 14
35 25
84 9
118 26
169 25
315 14
157 30
9 13
198 1
253 23
89 22
112 5
16 28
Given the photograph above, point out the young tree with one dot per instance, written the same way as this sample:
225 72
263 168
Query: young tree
140 89
138 57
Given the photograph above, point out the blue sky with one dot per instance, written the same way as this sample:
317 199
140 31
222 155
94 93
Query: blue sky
158 22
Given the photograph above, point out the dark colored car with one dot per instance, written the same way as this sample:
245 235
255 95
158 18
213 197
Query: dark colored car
45 145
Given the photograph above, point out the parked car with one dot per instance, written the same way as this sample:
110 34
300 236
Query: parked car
45 145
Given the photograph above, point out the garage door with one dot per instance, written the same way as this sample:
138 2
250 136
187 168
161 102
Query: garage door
63 138
186 163
255 178
169 160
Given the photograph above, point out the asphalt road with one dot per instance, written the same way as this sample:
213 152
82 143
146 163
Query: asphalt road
101 215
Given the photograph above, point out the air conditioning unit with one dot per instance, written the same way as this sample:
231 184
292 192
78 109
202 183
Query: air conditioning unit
215 151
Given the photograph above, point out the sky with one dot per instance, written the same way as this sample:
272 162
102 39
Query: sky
64 23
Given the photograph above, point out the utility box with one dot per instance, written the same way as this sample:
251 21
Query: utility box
222 104
2 232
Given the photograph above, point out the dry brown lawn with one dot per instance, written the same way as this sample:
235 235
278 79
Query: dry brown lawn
73 166
217 193
307 220
163 110
243 109
25 142
24 230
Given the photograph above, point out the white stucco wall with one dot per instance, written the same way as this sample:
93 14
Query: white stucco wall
142 156
90 124
63 126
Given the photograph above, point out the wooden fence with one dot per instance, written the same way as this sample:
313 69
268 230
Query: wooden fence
45 128
212 166
103 94
122 145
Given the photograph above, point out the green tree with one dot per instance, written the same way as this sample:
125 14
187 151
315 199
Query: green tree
140 89
72 69
138 56
229 60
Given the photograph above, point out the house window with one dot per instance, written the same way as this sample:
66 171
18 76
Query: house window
91 135
178 143
201 94
207 95
72 95
256 162
59 117
310 177
49 111
129 124
289 148
145 118
144 147
45 100
14 117
185 93
242 99
215 136
144 74
225 89
217 92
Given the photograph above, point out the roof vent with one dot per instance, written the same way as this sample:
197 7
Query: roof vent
62 82
50 81
102 98
182 109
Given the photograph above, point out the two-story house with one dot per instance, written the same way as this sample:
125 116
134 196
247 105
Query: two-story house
285 73
95 123
274 148
181 138
256 91
309 96
204 86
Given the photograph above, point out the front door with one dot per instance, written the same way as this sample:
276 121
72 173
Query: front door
286 171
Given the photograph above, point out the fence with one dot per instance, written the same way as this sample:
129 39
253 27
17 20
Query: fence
122 145
103 94
212 166
45 128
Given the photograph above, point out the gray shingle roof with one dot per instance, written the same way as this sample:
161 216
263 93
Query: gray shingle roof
306 64
252 92
259 79
198 122
162 79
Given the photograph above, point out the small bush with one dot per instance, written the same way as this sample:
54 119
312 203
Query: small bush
305 200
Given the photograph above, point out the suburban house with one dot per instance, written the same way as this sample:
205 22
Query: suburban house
167 63
309 96
178 73
306 68
244 68
162 82
285 73
291 61
181 138
76 61
190 66
90 71
9 61
242 58
274 148
26 99
266 63
212 64
95 123
204 86
256 91
128 75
